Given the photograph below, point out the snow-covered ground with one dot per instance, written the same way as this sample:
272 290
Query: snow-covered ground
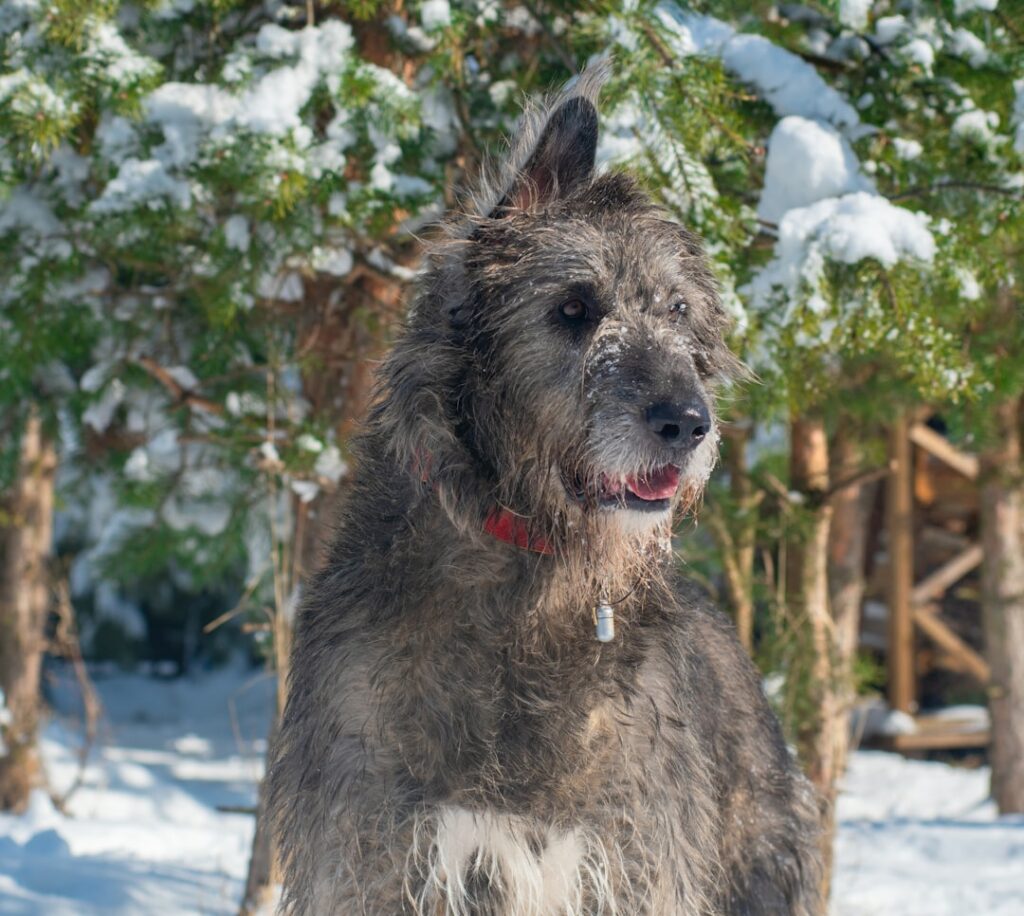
923 839
145 833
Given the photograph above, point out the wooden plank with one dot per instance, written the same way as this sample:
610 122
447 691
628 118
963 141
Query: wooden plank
938 631
935 732
939 446
899 506
936 741
936 584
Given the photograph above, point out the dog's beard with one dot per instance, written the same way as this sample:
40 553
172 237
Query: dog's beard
642 502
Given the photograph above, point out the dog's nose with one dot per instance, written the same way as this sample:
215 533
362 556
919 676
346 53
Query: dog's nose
679 425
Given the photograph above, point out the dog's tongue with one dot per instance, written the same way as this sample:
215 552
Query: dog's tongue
660 484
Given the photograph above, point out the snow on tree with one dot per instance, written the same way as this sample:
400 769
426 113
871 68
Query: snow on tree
209 215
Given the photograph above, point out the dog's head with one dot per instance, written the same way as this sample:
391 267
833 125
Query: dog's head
562 355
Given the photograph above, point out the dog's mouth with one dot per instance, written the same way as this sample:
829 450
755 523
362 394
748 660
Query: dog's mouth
649 492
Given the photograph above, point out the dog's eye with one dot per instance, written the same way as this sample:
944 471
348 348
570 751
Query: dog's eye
677 308
574 310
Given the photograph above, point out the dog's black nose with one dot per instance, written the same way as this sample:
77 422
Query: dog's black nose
679 425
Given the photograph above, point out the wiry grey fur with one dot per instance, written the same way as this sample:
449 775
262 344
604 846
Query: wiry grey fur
456 741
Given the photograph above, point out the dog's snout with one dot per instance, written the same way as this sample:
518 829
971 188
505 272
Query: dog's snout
678 425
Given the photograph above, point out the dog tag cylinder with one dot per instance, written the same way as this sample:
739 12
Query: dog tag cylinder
605 623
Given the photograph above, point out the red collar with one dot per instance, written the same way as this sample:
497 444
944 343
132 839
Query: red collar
500 523
512 529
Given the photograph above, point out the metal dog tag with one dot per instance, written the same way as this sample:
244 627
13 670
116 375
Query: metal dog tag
605 623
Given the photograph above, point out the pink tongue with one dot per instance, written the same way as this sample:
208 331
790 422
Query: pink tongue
660 484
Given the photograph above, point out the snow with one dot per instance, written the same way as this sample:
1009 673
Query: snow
16 14
1018 115
28 94
171 9
306 490
920 52
898 722
435 14
907 150
854 13
141 182
889 28
144 834
964 43
330 464
198 503
183 376
236 232
501 91
977 716
119 63
787 82
187 113
309 443
923 839
815 190
99 414
846 229
336 261
184 111
963 7
286 287
116 137
976 126
24 210
274 103
807 161
970 288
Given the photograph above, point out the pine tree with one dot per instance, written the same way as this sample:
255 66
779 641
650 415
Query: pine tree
210 215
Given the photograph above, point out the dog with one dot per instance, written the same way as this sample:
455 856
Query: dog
504 699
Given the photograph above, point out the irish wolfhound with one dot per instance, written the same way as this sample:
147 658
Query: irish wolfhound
504 699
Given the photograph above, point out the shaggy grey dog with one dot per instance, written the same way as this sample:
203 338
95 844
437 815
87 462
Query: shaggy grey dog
459 737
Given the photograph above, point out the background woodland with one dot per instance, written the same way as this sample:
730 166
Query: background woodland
211 213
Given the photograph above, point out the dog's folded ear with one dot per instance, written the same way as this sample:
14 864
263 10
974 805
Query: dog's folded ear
554 150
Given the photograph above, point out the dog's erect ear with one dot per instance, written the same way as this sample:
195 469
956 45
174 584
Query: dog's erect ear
562 161
552 152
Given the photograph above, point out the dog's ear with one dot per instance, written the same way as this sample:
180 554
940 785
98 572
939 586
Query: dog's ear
552 153
562 160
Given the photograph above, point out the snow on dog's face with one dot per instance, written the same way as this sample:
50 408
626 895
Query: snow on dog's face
577 332
599 325
599 321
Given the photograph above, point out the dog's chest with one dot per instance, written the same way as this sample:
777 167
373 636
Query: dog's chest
469 862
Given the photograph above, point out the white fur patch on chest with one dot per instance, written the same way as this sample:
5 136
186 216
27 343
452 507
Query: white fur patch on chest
519 866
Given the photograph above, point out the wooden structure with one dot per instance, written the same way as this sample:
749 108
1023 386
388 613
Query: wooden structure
913 604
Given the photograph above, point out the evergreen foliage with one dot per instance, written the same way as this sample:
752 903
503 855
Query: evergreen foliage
193 188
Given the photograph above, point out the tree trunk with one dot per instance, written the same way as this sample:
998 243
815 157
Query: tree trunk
263 877
899 532
847 548
1002 535
734 529
745 502
346 350
807 595
26 533
848 539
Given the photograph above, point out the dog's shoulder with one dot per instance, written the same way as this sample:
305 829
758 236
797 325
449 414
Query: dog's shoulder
699 643
692 615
